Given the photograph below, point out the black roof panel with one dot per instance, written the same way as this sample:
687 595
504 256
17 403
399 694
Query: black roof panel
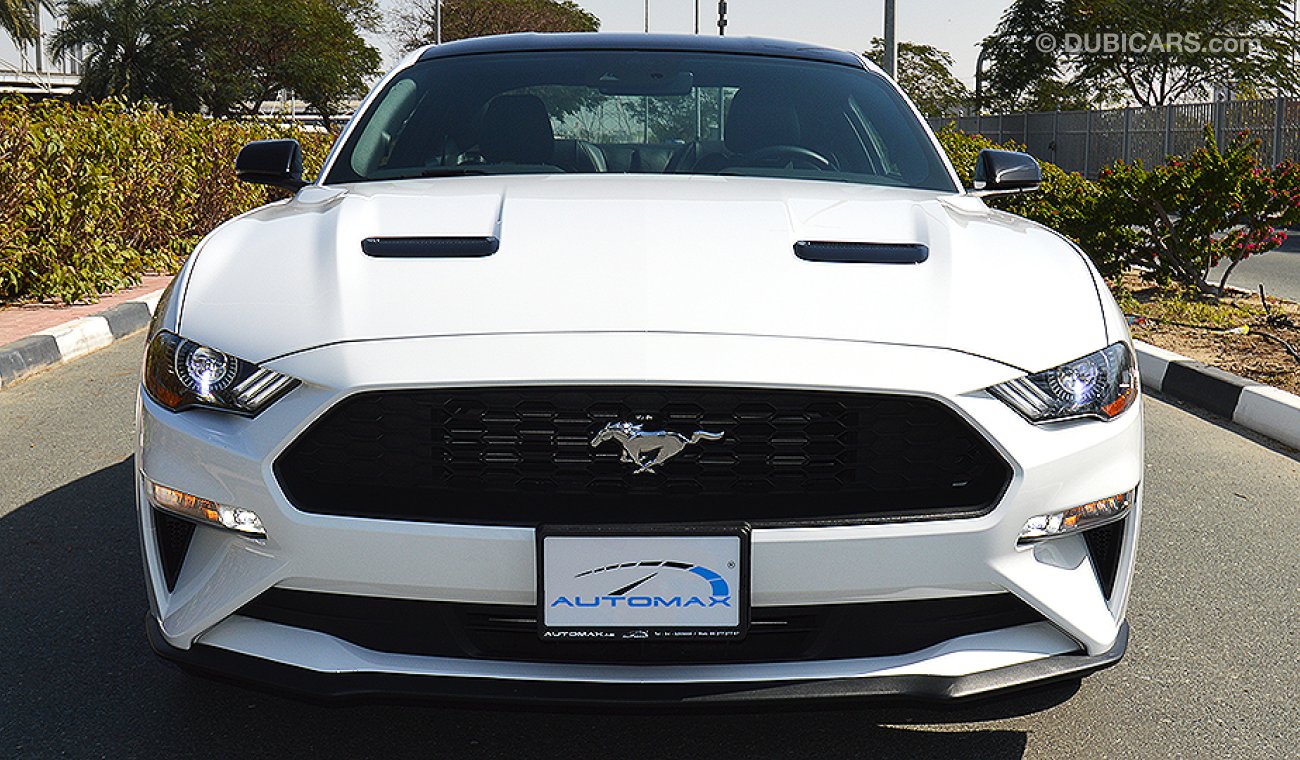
532 41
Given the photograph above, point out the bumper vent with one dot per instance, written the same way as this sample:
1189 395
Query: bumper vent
174 536
776 634
1104 547
525 457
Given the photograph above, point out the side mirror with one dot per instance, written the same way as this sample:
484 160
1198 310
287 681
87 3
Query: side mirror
999 172
271 162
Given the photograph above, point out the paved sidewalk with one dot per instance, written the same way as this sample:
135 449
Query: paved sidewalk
18 322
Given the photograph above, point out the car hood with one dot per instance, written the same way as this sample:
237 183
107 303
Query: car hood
641 254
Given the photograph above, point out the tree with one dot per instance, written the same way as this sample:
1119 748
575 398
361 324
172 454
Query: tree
228 56
1176 72
249 50
363 14
1150 52
415 25
136 50
1021 76
925 74
18 18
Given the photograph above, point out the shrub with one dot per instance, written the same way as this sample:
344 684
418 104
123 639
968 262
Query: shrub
91 197
1184 217
1176 221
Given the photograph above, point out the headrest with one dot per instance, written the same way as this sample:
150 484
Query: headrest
517 130
760 119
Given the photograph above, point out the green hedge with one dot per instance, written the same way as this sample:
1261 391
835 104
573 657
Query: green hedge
92 197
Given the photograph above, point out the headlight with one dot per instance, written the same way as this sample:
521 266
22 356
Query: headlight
1100 385
180 374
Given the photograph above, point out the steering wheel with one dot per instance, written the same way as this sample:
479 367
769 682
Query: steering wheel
790 156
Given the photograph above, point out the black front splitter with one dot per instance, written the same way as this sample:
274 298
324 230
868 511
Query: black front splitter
322 686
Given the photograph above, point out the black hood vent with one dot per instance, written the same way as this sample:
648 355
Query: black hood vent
429 247
862 253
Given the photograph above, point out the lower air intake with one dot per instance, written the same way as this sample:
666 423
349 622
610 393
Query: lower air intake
173 535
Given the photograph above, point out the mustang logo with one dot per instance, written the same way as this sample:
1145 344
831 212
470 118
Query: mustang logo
648 449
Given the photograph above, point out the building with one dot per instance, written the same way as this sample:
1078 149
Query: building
28 67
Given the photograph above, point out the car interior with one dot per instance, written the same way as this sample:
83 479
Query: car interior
789 120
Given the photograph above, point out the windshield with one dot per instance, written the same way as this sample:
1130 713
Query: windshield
585 112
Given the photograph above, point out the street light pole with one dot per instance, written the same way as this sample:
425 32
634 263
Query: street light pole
891 41
722 18
437 21
647 16
697 16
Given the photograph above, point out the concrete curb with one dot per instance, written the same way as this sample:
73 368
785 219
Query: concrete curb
1262 408
75 338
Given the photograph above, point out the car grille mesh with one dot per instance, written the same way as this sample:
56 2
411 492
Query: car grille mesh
523 456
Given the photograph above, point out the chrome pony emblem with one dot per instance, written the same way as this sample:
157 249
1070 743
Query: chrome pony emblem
648 449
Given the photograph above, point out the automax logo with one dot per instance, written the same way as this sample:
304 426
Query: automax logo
719 590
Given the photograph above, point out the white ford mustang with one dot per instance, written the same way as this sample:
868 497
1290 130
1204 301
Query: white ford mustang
638 367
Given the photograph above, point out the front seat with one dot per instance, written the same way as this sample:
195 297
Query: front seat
756 119
516 129
579 156
760 119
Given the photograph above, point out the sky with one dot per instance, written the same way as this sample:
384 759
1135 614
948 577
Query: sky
956 26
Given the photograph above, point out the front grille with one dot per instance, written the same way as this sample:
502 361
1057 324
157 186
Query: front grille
776 634
523 456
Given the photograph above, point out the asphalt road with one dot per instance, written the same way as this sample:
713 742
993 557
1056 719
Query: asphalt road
1211 672
1278 271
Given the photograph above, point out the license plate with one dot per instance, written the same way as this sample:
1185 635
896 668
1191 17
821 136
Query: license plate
622 583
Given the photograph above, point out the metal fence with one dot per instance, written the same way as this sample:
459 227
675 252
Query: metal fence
1087 141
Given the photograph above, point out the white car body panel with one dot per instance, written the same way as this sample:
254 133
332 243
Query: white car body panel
567 264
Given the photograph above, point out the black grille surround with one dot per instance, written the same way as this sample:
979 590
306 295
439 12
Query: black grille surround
523 457
776 634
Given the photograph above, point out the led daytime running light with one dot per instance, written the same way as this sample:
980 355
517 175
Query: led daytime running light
1083 517
208 512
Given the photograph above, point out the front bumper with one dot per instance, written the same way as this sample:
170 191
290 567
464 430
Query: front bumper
229 459
307 683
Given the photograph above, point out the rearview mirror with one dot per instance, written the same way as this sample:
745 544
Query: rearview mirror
271 162
638 82
1003 171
